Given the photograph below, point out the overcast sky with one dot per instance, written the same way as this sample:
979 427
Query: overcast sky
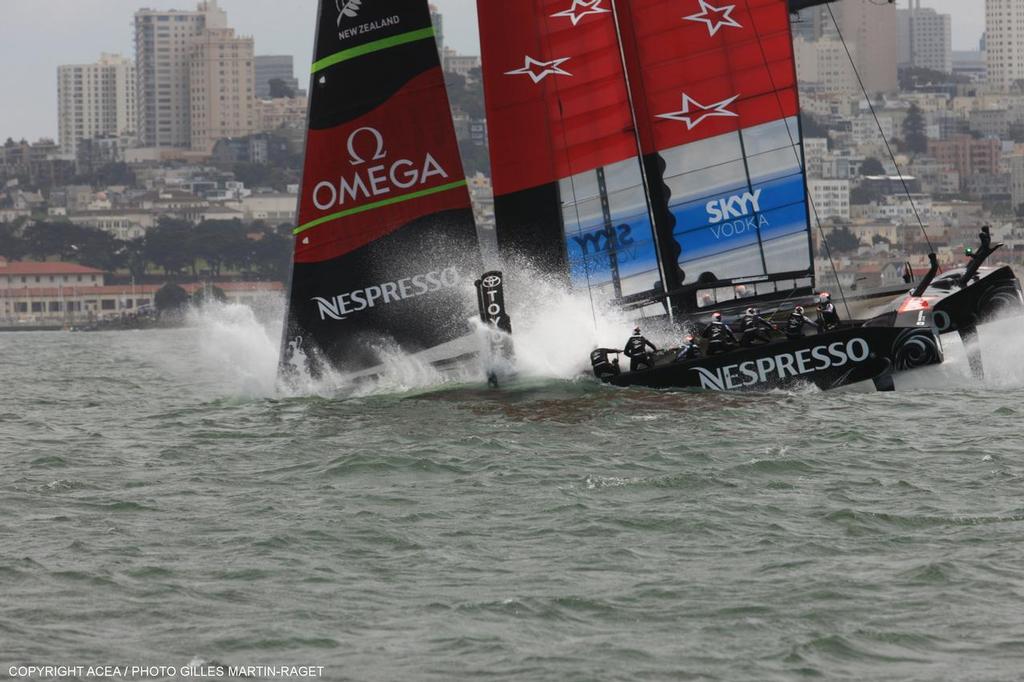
38 36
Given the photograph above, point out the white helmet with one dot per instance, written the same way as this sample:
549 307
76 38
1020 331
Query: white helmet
825 297
716 317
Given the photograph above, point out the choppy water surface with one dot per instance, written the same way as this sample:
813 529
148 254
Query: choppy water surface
160 503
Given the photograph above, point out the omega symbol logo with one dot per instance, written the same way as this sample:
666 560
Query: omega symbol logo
354 158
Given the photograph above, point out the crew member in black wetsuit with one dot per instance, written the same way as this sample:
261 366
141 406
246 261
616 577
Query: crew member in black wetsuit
796 322
828 318
689 351
719 335
636 351
604 367
756 330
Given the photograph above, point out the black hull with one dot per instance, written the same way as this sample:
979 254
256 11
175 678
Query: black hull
995 292
829 360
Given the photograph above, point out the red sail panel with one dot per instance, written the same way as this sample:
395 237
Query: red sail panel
556 96
374 174
713 84
568 186
701 68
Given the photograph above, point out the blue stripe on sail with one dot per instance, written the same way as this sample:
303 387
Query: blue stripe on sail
589 251
732 219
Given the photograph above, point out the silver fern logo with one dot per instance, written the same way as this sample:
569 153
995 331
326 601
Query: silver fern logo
348 8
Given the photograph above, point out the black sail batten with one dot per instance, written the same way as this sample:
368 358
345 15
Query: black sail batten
385 241
664 223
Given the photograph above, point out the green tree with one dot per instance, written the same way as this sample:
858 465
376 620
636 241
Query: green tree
209 294
220 242
45 240
872 166
170 299
842 240
169 245
257 175
133 254
272 255
914 135
12 242
114 174
98 249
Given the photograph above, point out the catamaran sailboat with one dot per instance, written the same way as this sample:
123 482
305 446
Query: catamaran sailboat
650 155
651 151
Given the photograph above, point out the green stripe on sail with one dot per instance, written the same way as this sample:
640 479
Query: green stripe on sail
375 46
378 204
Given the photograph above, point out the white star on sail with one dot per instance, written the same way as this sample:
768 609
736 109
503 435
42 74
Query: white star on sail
552 68
693 112
715 17
576 14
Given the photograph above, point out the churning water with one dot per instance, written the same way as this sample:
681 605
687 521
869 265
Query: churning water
163 502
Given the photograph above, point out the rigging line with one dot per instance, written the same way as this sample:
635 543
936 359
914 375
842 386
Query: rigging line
801 159
644 180
586 265
888 148
828 252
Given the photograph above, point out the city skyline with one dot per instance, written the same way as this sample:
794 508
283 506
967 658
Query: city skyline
86 28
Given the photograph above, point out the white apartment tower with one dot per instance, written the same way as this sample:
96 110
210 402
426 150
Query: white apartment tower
825 64
95 100
222 81
1004 31
162 46
925 38
870 28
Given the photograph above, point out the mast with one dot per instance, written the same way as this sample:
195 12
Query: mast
385 243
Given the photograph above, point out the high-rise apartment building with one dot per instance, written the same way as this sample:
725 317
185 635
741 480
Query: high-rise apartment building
95 100
1004 42
925 38
871 32
192 72
271 67
221 86
825 64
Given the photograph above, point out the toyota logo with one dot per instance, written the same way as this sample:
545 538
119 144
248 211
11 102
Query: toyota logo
492 281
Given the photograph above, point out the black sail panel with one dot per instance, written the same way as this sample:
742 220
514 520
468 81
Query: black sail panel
385 246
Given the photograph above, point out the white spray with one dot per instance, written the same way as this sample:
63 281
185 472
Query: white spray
1000 342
